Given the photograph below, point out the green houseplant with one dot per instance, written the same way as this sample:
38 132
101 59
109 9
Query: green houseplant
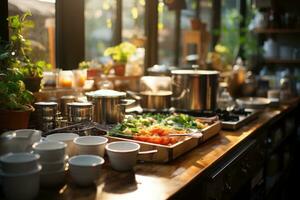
120 55
21 47
15 100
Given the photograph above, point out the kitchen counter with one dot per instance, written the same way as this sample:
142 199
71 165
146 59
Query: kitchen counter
179 178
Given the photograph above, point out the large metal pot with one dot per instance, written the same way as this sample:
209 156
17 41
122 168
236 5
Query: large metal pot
194 89
153 100
109 105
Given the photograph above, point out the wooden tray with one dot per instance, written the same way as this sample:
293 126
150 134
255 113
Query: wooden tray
167 153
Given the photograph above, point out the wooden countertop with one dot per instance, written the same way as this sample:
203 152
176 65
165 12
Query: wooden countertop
162 181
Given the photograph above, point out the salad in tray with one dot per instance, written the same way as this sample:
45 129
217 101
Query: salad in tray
158 128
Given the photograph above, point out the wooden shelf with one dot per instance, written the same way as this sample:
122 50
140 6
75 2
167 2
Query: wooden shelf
280 61
277 31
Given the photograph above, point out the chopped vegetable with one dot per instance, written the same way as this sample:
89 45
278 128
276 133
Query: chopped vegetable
155 128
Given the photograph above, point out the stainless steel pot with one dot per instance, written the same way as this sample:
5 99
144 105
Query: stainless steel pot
149 100
80 111
194 89
63 104
45 115
109 105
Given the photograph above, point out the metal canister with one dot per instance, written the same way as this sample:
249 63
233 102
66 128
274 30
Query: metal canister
109 106
80 111
45 115
64 100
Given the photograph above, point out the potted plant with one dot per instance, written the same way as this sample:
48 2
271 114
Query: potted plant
15 100
120 55
21 47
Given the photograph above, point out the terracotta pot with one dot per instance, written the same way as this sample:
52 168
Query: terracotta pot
15 119
196 24
119 69
33 84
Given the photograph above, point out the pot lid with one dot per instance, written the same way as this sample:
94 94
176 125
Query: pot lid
106 94
194 72
44 103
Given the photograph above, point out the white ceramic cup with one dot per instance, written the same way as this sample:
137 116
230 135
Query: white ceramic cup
50 151
122 155
16 163
66 138
94 145
23 186
85 169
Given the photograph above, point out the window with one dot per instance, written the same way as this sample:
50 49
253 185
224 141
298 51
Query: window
133 20
99 26
166 33
42 36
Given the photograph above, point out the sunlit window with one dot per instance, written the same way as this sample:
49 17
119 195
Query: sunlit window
42 35
99 26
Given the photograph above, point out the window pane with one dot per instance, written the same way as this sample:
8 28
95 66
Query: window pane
166 28
99 25
43 33
133 19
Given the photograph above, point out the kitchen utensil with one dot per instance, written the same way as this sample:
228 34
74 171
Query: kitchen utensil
80 111
63 104
50 151
109 105
45 115
94 145
85 169
123 155
67 138
23 186
20 140
52 178
194 89
14 163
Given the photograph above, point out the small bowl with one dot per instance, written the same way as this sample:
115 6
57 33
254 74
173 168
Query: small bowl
85 169
24 186
122 155
52 166
66 138
94 145
53 179
19 162
50 151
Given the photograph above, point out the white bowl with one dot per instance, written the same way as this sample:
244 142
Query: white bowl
53 179
50 151
52 166
94 145
19 162
66 138
122 155
22 186
85 169
22 139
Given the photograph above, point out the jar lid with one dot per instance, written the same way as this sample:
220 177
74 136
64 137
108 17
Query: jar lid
105 94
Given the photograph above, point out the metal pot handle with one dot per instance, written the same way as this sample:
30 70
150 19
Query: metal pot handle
148 152
181 96
134 95
126 102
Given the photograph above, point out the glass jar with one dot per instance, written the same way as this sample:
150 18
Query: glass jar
66 79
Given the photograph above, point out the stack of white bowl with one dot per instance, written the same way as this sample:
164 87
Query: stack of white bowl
20 175
67 138
52 158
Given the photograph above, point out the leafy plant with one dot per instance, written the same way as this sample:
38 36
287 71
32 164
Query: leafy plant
121 53
13 94
21 47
